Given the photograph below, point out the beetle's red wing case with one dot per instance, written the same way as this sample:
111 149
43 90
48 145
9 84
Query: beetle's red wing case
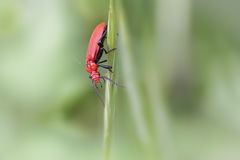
93 47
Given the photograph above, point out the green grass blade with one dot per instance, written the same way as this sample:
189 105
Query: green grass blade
132 87
110 89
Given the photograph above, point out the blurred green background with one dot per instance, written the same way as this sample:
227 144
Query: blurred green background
179 61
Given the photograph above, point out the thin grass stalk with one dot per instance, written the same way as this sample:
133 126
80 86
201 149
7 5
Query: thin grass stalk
132 86
110 91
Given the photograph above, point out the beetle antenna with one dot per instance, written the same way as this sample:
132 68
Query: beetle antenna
97 93
112 81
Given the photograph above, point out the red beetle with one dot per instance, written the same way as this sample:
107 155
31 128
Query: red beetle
94 53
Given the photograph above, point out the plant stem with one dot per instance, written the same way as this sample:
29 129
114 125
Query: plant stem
109 90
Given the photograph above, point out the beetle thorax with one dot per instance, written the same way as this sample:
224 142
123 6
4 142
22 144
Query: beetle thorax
91 66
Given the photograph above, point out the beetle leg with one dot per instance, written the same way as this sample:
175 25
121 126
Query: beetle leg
111 50
102 61
106 67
